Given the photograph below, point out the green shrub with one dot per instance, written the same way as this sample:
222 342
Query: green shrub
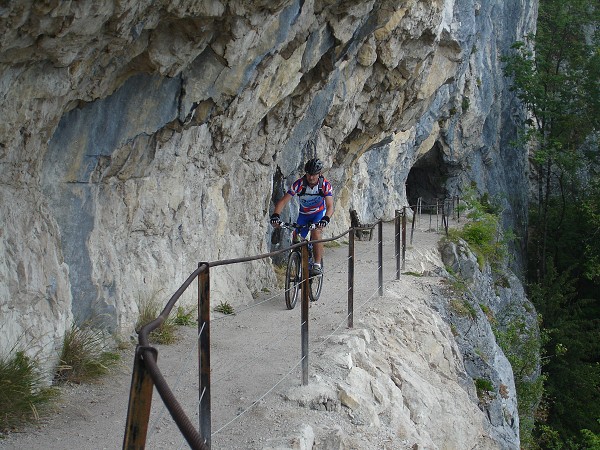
485 389
482 232
84 355
224 308
186 317
23 393
463 308
150 309
488 313
522 347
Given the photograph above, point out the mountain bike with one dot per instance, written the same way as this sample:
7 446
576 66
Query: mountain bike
293 273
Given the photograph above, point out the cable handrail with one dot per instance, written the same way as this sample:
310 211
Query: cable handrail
147 373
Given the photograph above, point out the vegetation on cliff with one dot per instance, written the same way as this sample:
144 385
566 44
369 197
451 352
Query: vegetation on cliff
556 74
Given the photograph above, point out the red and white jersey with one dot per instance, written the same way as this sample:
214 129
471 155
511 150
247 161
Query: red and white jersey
312 200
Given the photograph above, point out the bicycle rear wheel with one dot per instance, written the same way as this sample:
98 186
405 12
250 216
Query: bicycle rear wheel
293 278
316 284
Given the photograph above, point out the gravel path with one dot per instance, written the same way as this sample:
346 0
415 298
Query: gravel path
255 354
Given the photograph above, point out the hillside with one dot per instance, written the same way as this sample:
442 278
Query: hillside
397 380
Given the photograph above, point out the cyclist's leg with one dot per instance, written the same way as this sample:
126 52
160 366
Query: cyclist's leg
315 235
317 247
304 219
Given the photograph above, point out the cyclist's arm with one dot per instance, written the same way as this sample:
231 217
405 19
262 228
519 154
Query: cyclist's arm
281 203
329 206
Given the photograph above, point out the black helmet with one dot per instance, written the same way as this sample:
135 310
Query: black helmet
313 166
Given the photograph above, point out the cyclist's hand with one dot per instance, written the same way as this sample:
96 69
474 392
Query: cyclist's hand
275 220
323 222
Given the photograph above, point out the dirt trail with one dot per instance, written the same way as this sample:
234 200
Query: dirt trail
255 354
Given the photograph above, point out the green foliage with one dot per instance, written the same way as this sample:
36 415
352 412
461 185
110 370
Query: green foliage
149 309
522 347
570 309
551 439
463 308
23 392
413 274
465 104
186 317
224 308
488 313
484 385
555 73
84 355
588 213
590 439
485 390
482 232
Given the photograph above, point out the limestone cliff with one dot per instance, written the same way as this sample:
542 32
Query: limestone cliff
141 137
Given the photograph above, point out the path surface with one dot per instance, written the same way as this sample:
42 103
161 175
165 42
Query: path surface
255 354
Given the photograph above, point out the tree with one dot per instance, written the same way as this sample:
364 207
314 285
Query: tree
556 74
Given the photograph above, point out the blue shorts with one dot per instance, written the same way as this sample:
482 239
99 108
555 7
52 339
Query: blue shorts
305 219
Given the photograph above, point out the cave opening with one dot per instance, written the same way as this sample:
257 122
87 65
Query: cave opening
427 178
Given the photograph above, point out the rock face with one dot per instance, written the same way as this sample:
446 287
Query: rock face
407 376
141 137
404 383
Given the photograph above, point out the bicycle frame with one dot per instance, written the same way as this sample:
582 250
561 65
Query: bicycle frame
296 231
294 273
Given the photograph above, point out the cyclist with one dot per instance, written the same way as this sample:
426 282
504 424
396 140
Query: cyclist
315 195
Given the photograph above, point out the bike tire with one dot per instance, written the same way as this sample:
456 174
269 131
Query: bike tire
316 284
293 279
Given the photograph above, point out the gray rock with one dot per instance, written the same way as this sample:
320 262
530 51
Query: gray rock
139 138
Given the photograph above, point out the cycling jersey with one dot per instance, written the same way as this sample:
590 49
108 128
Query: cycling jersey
312 199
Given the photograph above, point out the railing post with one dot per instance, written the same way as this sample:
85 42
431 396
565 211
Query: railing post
140 401
397 241
403 237
430 217
204 354
380 252
412 228
453 208
351 280
445 217
304 315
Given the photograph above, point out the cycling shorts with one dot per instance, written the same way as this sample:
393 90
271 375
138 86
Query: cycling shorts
305 219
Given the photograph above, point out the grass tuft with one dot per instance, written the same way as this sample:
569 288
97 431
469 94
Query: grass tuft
225 308
84 355
485 388
463 308
186 317
150 309
23 392
414 274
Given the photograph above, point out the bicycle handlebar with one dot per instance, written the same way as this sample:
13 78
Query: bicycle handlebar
290 225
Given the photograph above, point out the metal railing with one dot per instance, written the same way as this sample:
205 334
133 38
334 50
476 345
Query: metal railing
147 375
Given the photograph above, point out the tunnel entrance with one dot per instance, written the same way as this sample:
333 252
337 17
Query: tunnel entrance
427 177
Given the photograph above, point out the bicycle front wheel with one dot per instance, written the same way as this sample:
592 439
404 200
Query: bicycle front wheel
316 284
293 278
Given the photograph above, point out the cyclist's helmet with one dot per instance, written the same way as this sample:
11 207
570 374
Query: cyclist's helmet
313 166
